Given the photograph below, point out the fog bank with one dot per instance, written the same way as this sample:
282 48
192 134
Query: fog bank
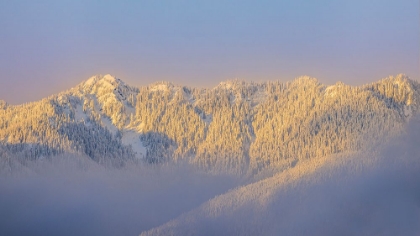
55 200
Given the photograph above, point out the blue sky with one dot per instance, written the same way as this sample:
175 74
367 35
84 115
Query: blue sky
49 46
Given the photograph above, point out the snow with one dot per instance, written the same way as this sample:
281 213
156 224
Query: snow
104 86
160 87
66 111
106 122
133 138
109 82
79 115
140 127
100 83
259 97
330 91
190 98
230 84
91 81
408 112
109 78
208 119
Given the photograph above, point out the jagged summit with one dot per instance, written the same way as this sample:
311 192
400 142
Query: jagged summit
106 87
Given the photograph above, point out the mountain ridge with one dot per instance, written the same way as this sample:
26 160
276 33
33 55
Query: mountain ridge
236 127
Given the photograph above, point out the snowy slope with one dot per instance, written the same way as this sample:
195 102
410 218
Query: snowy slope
357 194
114 102
131 137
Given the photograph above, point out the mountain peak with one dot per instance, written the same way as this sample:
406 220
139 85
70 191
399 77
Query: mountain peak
103 84
106 86
99 80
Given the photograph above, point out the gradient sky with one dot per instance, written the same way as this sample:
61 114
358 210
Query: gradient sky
50 46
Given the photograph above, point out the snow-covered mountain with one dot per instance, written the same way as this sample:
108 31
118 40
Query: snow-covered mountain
237 127
302 158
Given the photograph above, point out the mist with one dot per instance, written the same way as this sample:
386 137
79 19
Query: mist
381 200
372 194
376 192
60 198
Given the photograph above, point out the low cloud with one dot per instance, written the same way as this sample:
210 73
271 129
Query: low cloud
55 200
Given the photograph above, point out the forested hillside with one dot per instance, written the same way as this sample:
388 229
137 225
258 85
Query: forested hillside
237 127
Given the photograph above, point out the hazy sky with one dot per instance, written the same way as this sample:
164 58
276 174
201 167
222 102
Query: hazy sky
49 46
